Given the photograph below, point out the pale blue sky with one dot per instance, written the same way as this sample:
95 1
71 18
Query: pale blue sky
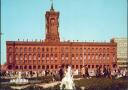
97 20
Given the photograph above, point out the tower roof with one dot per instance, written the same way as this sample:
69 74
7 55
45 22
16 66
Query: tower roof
52 9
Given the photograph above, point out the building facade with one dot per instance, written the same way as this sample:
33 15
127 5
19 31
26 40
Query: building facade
51 53
122 52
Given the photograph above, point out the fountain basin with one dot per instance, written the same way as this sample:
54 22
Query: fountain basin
19 81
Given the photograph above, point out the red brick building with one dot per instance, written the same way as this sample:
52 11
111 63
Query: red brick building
51 53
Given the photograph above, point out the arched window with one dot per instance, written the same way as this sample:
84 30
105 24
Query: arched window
113 49
21 57
34 49
51 56
16 67
38 49
39 67
100 56
56 66
10 58
76 49
55 49
21 67
92 56
47 55
104 50
92 49
34 67
66 49
96 49
107 56
85 56
88 49
80 49
113 56
43 67
104 56
30 57
51 49
100 50
62 56
51 66
52 21
76 56
25 49
25 67
47 49
25 57
16 57
107 49
42 55
21 49
47 66
55 55
16 49
80 56
34 57
42 49
30 67
38 56
72 55
62 49
84 49
72 49
30 49
10 49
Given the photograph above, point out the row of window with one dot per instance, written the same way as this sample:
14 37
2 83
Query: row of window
34 61
56 66
37 67
39 56
62 49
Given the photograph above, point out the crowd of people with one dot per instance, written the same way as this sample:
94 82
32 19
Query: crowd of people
85 72
105 72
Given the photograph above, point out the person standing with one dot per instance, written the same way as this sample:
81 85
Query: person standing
61 72
86 72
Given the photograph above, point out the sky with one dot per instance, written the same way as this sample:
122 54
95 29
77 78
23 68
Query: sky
98 20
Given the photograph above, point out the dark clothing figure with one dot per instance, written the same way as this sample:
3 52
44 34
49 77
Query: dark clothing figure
109 73
98 72
105 72
61 73
46 72
86 72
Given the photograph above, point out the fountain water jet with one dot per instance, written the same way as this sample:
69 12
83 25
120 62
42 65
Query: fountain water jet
68 81
19 80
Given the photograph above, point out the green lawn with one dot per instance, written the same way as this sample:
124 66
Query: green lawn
102 84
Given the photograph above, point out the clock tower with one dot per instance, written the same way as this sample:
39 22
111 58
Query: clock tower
52 24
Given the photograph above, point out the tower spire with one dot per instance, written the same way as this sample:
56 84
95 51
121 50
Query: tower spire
52 9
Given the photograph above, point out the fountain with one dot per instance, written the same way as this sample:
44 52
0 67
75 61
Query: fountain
68 82
19 82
